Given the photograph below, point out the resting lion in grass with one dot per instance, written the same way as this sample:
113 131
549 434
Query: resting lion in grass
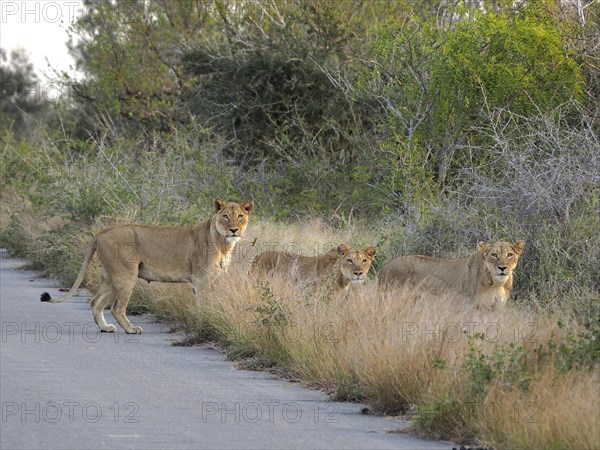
485 276
354 264
157 253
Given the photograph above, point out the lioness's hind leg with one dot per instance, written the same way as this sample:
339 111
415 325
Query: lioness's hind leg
119 308
103 296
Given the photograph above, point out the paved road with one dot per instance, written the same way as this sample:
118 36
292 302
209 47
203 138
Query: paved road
64 385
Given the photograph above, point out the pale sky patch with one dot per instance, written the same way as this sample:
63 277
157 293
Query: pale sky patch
40 27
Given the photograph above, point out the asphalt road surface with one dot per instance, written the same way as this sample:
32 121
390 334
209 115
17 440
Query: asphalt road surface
65 385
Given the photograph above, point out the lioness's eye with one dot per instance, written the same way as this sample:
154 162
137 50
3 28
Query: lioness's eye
240 216
494 255
510 255
364 260
226 216
349 260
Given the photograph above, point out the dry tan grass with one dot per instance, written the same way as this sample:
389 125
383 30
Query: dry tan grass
559 411
398 351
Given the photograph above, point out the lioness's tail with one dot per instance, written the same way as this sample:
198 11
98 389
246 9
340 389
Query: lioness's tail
82 272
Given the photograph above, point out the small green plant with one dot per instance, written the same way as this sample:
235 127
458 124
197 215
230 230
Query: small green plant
271 312
580 350
439 363
271 324
506 363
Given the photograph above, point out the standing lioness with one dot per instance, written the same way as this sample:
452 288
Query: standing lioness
155 253
486 276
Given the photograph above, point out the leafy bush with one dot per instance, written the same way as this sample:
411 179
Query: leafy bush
579 350
506 363
516 60
436 85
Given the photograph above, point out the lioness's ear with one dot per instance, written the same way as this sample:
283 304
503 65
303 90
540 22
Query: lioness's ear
342 249
219 204
518 247
370 251
247 206
484 246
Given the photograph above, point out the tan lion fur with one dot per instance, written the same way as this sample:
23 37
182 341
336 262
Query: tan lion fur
160 253
354 264
485 276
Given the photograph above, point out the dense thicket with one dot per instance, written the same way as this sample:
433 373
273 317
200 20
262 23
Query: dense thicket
383 100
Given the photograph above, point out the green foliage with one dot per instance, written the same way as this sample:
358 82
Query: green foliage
334 106
437 85
586 44
580 350
507 364
517 61
401 57
261 76
120 93
15 239
348 388
272 86
272 311
54 252
272 316
452 413
509 60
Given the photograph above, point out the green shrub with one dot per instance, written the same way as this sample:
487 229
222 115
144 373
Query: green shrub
506 363
580 350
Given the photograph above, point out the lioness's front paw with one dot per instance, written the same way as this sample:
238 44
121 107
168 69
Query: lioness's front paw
108 329
134 330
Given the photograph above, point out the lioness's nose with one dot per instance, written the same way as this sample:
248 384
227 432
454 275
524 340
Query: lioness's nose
502 269
234 230
358 274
